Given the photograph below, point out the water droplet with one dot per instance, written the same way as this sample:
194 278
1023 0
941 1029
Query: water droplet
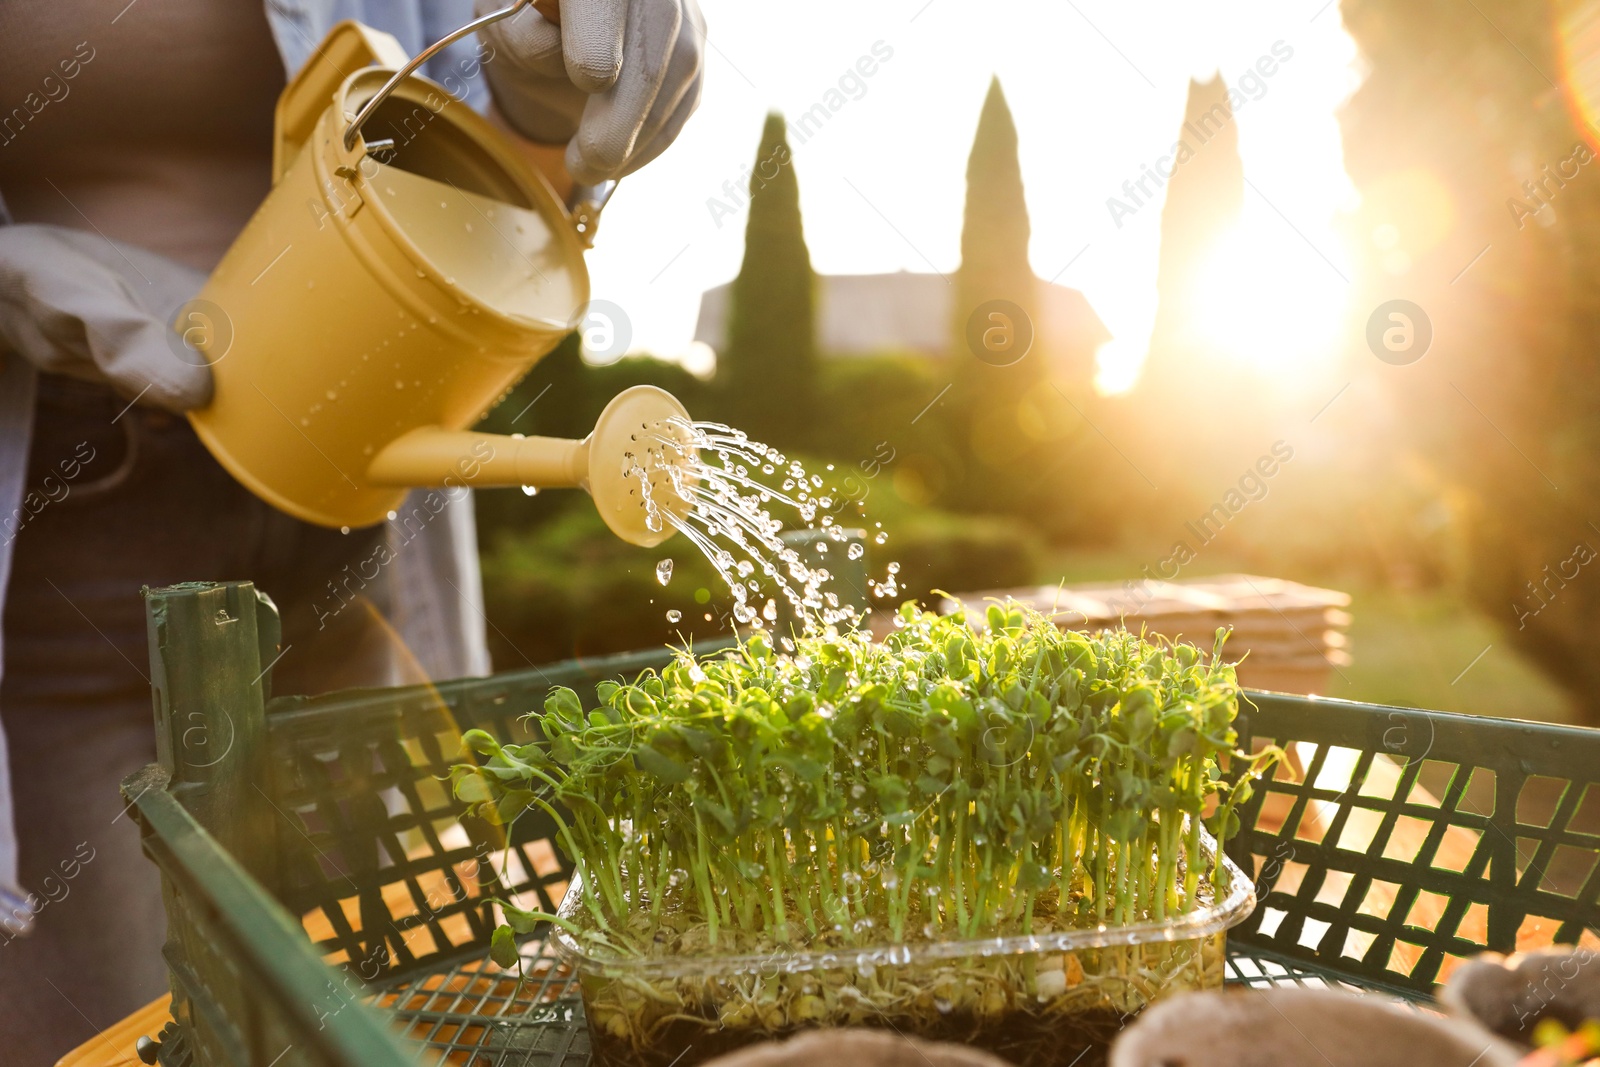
530 490
894 568
735 520
674 615
880 539
856 550
664 573
399 384
344 529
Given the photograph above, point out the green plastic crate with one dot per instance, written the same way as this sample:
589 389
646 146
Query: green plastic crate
270 818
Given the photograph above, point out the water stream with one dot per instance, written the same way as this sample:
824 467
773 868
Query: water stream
728 488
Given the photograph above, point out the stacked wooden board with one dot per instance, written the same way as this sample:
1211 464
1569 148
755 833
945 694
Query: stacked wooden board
1292 636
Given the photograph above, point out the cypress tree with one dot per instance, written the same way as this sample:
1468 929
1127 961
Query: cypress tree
990 380
1204 198
769 366
994 235
1187 377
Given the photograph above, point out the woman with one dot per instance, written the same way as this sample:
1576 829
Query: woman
137 145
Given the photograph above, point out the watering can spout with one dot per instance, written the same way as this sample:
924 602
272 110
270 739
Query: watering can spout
636 464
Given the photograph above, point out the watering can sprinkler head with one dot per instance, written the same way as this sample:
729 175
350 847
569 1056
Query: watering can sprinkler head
641 464
637 464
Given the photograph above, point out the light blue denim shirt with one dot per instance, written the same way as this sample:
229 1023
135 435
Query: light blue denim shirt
437 591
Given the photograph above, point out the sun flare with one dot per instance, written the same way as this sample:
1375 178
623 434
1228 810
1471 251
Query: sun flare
1266 303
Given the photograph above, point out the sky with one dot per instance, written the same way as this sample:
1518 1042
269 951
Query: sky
1097 88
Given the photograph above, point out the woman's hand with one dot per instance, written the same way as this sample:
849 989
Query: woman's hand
616 79
76 303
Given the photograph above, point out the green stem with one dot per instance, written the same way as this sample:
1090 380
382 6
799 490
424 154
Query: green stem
701 876
1101 861
775 877
958 863
1191 874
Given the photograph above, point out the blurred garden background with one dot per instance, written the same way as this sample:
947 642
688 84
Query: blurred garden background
1261 417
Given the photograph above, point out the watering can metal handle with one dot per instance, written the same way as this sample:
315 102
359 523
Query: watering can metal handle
348 46
586 201
550 9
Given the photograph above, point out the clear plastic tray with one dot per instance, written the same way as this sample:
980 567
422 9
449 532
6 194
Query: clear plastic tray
1031 999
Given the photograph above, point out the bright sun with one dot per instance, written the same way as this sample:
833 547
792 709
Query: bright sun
1268 298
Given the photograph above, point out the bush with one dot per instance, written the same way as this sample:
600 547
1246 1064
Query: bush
570 587
941 550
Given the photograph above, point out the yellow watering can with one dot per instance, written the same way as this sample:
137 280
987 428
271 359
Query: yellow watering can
407 269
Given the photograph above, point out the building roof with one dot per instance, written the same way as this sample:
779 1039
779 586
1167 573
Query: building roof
868 313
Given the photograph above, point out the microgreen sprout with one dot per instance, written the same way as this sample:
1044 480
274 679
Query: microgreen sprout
949 782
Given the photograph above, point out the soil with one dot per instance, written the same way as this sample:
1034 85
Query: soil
1023 1038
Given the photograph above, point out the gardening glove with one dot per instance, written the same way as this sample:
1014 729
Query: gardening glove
77 303
616 80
